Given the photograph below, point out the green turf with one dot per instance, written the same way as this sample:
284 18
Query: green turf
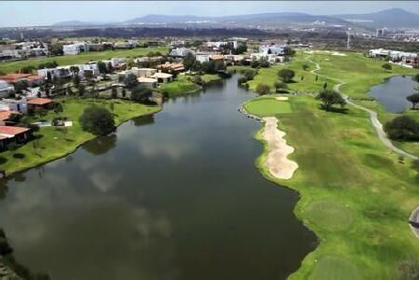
55 143
335 268
179 87
267 106
12 66
355 195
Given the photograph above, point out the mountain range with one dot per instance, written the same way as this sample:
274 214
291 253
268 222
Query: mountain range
392 18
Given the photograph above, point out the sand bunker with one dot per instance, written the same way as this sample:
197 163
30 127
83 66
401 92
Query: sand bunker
281 98
326 52
277 162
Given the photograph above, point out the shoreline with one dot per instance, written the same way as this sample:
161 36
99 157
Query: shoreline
74 149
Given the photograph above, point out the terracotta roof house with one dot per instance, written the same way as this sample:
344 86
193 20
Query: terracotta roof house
171 67
9 134
15 77
5 116
39 101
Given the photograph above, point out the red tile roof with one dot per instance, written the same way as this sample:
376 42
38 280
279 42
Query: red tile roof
39 101
13 78
5 114
10 130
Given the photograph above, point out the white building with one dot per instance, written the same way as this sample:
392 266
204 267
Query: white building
162 77
278 50
148 82
16 105
203 57
75 49
391 54
180 52
5 89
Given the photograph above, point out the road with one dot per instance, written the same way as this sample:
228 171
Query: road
373 115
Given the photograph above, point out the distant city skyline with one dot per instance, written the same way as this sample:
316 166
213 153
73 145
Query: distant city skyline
28 13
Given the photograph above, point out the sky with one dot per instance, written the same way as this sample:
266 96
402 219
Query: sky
29 13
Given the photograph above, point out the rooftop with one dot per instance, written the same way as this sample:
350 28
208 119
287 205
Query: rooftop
10 131
5 114
39 101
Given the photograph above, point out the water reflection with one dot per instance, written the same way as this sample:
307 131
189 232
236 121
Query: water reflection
173 196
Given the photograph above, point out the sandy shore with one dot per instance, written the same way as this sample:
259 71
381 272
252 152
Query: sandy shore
277 162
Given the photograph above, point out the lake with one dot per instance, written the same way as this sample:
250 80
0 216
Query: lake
174 195
392 93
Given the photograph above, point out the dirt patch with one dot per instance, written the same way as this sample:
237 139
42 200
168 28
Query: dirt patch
277 162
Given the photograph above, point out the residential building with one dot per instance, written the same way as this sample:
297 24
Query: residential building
146 72
203 57
10 134
38 103
162 77
171 67
5 89
30 78
148 82
278 50
74 49
15 105
5 116
181 52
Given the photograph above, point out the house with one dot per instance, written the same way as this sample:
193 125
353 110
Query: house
5 116
181 52
38 103
148 82
163 77
171 67
5 89
216 57
10 134
30 78
58 72
15 105
203 57
278 50
75 49
122 45
146 72
96 47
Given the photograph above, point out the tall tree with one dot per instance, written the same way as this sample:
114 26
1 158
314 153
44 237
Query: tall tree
330 98
286 75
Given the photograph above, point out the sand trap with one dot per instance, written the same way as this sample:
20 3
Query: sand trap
338 54
281 98
277 162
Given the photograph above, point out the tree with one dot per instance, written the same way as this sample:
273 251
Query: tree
110 67
288 51
286 74
124 93
76 81
325 85
58 108
56 49
416 78
81 90
130 80
280 86
69 91
414 99
27 69
141 94
263 89
21 85
188 61
114 93
97 120
402 128
305 66
386 66
329 98
242 48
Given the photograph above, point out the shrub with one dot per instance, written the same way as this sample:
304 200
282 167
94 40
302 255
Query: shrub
263 89
402 128
386 66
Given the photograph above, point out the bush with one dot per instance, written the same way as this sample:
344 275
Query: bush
97 120
18 155
386 66
141 95
402 128
263 89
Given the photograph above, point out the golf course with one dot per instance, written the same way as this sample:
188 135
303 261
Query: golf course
356 194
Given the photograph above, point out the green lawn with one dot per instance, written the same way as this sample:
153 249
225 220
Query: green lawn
55 143
267 106
179 87
12 66
210 78
355 195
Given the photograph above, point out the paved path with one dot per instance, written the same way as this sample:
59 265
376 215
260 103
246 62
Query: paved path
373 115
414 222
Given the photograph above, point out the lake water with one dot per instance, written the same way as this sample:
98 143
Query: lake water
174 195
392 93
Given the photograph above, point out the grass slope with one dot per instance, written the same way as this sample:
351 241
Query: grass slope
179 87
355 195
54 143
12 66
267 106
